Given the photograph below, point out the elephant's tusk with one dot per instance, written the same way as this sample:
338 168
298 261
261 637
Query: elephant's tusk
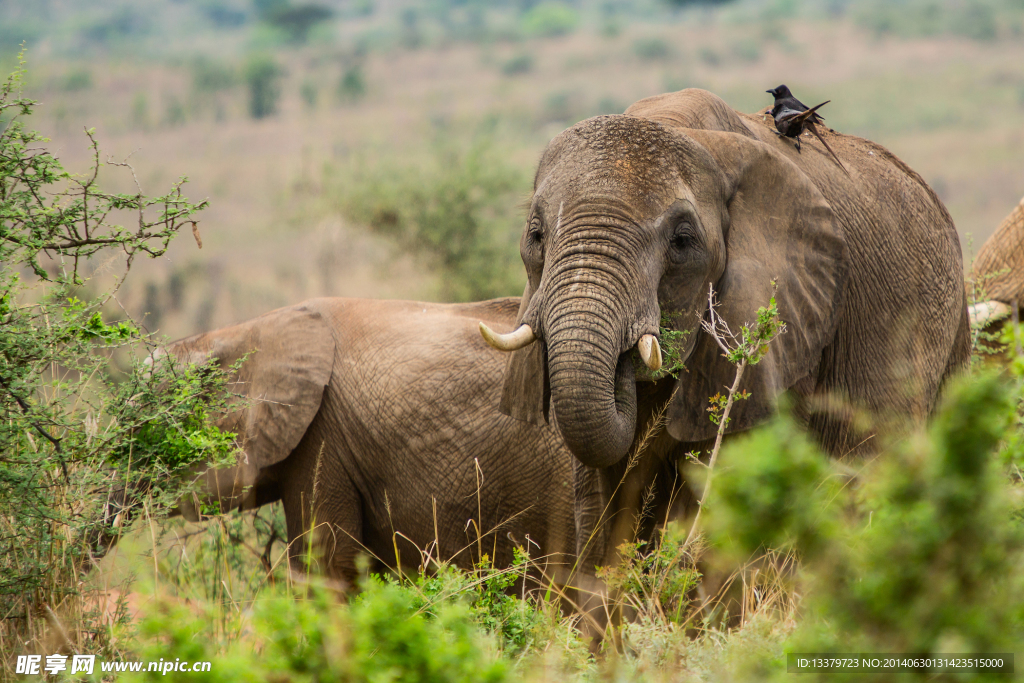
988 311
512 341
650 351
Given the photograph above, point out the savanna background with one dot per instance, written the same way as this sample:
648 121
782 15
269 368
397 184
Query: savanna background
375 148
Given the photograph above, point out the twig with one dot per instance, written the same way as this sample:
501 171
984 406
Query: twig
718 445
748 348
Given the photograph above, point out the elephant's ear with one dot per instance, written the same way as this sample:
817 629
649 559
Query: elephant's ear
780 228
280 385
526 394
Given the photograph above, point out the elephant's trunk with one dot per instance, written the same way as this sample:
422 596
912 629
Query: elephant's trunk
593 389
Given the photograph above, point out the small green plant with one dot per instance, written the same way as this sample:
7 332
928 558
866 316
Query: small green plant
306 635
514 621
656 578
673 345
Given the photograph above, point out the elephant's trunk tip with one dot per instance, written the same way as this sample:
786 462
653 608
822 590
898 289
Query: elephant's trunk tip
513 341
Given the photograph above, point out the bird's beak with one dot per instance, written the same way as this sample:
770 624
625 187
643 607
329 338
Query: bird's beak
770 92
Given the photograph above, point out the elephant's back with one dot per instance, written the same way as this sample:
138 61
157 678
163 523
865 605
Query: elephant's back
903 327
414 341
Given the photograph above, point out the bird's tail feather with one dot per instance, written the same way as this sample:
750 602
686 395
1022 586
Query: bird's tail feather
814 129
809 114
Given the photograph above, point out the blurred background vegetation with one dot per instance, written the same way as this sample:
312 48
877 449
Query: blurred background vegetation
384 147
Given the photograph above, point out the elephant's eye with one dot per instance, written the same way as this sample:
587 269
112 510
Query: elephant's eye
682 237
536 231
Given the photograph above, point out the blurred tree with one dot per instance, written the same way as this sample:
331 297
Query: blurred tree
261 76
309 93
651 49
452 215
412 35
352 86
140 111
295 21
77 79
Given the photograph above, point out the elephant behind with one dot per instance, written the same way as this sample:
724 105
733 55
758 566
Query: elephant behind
998 269
377 425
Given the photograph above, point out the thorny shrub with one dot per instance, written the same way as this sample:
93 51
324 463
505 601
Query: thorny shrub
75 431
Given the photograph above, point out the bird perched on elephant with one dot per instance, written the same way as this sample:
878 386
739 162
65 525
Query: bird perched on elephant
634 217
792 117
377 425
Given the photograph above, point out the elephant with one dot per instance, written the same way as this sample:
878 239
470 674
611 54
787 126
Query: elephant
998 268
637 220
377 425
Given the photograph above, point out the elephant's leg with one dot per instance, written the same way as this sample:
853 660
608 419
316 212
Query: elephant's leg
592 498
614 505
323 511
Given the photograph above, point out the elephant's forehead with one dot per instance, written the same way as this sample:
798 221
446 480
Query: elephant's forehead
613 155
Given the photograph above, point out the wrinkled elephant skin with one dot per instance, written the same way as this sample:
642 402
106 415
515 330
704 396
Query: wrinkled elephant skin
372 417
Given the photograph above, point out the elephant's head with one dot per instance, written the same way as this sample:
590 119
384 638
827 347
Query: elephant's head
631 219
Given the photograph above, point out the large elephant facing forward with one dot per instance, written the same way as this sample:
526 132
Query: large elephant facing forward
377 425
633 217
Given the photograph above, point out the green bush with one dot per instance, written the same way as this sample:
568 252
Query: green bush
770 492
921 555
384 635
72 423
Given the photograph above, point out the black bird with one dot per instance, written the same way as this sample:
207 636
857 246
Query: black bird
792 118
784 100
